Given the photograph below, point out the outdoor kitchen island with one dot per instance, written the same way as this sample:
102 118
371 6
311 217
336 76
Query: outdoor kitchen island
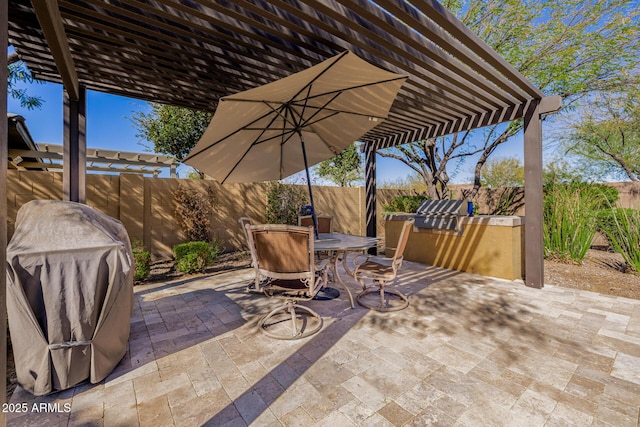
490 245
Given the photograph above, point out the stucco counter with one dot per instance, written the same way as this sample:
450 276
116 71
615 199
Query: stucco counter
485 244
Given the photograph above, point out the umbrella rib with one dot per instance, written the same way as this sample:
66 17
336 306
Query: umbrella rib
264 129
192 155
294 131
282 136
303 121
379 82
313 80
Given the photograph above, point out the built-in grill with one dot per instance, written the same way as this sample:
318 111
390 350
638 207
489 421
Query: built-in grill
440 214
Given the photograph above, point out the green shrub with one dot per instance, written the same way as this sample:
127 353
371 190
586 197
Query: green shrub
195 256
622 228
604 196
191 263
569 223
283 203
142 260
405 203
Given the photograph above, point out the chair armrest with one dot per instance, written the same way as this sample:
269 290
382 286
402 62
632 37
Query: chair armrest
357 257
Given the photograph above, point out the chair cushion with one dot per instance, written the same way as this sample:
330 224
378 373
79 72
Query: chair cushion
287 289
375 270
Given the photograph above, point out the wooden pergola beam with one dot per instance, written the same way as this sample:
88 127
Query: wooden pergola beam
4 146
533 198
51 23
74 172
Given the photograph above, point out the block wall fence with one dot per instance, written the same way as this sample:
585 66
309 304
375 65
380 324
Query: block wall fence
146 206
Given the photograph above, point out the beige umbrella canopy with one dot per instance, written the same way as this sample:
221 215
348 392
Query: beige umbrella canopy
273 131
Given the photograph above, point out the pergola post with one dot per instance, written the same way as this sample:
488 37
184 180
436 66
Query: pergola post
4 154
370 192
75 148
533 198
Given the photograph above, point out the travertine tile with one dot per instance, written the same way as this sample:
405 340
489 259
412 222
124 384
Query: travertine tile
250 406
468 351
357 411
155 412
533 407
419 397
585 387
395 414
121 415
627 367
214 408
297 417
487 414
365 392
431 417
455 358
292 398
333 419
564 415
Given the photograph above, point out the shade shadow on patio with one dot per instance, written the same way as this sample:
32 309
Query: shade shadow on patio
469 349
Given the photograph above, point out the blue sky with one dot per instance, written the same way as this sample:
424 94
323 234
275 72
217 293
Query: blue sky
109 127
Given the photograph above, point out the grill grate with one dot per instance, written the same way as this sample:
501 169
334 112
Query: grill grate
440 214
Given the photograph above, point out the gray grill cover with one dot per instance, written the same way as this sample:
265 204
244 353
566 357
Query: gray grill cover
69 294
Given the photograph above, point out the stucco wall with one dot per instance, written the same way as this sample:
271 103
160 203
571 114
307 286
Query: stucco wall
486 245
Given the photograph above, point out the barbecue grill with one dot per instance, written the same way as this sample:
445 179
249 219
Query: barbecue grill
440 214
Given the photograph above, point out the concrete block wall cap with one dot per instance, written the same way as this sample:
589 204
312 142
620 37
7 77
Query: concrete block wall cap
494 220
398 216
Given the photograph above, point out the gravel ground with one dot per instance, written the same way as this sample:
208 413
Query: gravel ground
601 271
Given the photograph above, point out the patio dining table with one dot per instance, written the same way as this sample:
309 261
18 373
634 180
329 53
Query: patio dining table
338 245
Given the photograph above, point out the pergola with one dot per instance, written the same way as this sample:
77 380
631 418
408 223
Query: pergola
51 157
191 53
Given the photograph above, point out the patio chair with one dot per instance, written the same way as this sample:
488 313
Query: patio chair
325 225
382 273
244 222
325 222
284 255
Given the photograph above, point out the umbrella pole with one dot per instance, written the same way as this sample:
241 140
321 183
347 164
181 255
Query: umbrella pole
306 169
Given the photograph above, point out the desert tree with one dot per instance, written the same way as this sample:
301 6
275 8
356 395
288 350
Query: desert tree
605 138
503 172
343 169
172 130
19 73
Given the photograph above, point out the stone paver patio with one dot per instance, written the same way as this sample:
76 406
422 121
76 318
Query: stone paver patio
469 351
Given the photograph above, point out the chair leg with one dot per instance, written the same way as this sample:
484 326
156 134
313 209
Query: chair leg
255 287
294 332
384 304
292 311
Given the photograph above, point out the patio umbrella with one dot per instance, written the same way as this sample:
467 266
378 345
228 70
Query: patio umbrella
278 129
